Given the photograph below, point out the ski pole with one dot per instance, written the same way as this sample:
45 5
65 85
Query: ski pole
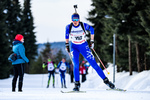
70 58
101 61
42 77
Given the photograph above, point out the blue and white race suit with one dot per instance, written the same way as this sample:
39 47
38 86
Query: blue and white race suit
62 69
80 45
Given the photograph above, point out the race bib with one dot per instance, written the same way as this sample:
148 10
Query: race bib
50 67
63 67
77 35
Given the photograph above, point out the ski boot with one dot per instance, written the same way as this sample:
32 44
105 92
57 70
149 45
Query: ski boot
13 88
109 83
77 86
13 85
61 85
65 86
53 86
47 86
20 87
19 90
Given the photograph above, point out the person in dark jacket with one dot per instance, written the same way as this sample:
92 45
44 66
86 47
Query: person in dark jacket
71 73
82 71
18 65
62 69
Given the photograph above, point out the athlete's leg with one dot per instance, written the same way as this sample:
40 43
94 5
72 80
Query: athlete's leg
53 74
86 52
75 58
49 78
64 79
61 78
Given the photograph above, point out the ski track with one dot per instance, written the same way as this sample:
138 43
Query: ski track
55 94
34 87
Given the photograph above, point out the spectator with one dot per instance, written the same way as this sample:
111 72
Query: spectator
71 72
82 71
18 65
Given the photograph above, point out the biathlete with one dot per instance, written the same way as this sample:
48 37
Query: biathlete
62 65
76 33
51 70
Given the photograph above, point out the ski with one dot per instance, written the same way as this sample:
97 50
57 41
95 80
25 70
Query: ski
117 89
73 91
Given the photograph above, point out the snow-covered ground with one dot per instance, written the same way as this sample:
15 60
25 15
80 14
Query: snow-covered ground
34 88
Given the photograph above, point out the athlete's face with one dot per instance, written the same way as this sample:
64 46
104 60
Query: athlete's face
63 60
75 22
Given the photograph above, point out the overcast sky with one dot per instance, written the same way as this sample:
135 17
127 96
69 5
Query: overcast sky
52 16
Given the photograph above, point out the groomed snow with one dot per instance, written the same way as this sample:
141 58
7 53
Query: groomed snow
34 87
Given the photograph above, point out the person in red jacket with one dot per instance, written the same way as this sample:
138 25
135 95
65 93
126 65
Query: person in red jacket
82 70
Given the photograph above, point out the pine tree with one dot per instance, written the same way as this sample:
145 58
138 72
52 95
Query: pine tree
144 14
13 20
4 51
59 56
36 66
127 12
141 38
46 53
122 18
28 32
97 17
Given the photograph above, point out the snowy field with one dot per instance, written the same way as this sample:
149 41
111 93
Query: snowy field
34 87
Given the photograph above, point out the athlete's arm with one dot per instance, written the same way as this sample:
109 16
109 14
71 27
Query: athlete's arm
91 29
67 40
92 37
67 34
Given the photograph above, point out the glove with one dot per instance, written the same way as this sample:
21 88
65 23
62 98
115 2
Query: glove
43 65
67 47
92 44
